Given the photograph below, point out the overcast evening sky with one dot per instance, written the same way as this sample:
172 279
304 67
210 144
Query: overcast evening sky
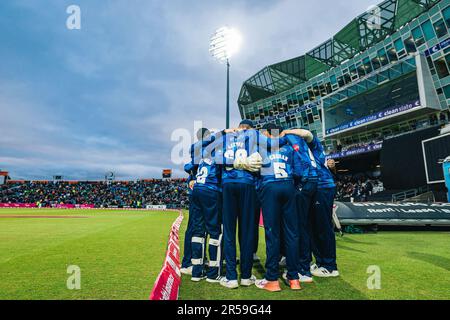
107 97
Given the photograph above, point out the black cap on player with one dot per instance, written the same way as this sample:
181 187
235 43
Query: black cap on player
247 123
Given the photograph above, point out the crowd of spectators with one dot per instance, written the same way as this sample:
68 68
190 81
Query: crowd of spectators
139 194
172 193
356 188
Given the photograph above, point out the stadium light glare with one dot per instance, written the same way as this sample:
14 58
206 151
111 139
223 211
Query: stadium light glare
224 43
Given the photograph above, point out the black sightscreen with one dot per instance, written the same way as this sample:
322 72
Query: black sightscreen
436 151
402 165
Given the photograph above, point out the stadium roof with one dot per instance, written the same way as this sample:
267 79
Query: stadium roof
354 38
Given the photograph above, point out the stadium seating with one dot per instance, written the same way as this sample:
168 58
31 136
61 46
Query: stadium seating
122 194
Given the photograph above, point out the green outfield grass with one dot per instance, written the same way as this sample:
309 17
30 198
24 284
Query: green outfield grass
414 265
120 254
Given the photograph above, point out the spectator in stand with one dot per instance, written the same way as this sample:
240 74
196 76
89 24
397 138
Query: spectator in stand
358 187
172 193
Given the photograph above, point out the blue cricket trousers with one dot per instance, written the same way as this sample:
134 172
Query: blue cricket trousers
239 208
322 229
280 215
305 198
206 221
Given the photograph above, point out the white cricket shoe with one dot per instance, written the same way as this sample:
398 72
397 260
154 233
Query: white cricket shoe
215 280
305 279
272 286
197 279
301 278
313 267
230 284
261 283
324 273
248 282
187 271
282 262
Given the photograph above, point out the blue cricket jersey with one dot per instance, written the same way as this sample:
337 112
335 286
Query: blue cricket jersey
243 144
209 175
325 177
277 166
305 166
197 150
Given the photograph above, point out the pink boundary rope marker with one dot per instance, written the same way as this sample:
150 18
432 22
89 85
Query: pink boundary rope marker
168 282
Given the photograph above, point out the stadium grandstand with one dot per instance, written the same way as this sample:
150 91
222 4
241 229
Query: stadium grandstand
163 194
372 93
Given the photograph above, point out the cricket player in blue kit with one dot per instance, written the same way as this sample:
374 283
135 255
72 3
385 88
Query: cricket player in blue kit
239 199
306 181
203 136
323 241
241 163
206 220
277 195
320 226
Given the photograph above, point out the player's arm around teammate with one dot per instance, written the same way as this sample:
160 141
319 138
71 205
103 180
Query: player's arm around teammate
321 225
324 240
306 180
239 202
277 196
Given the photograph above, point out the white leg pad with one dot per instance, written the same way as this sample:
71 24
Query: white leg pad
214 264
214 242
197 262
198 240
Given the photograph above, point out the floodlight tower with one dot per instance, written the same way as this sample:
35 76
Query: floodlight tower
223 44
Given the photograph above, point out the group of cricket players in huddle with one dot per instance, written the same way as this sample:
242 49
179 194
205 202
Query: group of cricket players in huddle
233 176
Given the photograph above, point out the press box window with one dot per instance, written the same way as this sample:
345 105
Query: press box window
333 81
392 54
447 91
353 73
440 28
418 36
428 30
441 68
409 45
383 57
361 71
367 65
400 47
431 65
347 78
446 14
376 63
447 59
